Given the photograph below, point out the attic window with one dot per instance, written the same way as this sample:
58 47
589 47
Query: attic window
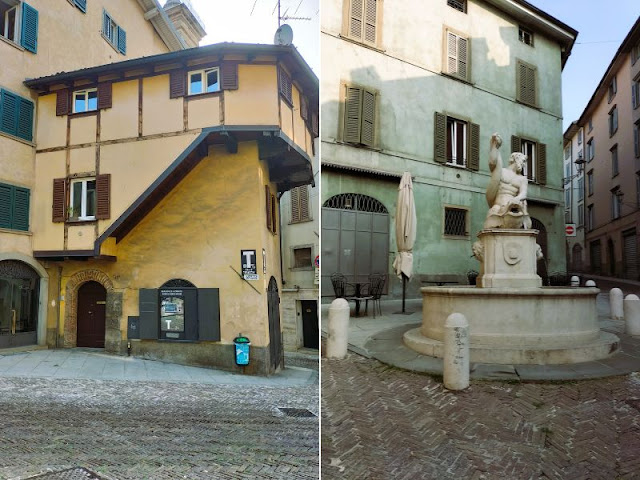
85 100
204 81
525 36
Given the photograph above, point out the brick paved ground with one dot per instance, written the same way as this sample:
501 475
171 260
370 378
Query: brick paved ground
382 423
146 430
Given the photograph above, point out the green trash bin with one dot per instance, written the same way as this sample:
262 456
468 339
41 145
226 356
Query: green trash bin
242 345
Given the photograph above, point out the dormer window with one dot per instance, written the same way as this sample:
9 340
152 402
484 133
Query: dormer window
85 100
204 81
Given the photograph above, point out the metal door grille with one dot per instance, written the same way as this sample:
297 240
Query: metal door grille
355 201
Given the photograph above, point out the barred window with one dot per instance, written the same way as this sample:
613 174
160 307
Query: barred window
455 221
458 5
302 257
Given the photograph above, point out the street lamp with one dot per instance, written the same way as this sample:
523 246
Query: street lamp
620 194
579 163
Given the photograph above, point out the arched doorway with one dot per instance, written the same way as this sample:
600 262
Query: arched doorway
355 238
275 336
92 303
542 241
19 301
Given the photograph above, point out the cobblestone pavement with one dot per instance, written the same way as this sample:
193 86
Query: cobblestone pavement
156 430
379 422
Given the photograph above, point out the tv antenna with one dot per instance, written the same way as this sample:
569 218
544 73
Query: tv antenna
289 17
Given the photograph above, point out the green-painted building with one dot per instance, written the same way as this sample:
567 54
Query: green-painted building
420 86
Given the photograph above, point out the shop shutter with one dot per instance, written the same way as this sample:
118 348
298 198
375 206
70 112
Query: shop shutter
367 136
209 314
630 257
29 36
81 4
474 147
103 194
21 209
122 41
149 313
24 128
62 102
105 95
352 114
177 84
59 200
267 193
440 138
9 116
6 210
541 164
229 76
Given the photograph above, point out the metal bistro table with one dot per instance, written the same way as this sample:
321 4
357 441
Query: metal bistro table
359 297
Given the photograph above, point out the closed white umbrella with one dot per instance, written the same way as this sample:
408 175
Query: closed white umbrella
406 224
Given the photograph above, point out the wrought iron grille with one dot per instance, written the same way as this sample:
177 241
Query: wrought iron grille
355 201
178 283
17 269
458 4
455 221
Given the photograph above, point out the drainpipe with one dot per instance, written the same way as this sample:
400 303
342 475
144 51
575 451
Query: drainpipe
280 239
58 303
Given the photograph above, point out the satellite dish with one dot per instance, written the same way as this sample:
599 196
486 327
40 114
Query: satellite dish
284 35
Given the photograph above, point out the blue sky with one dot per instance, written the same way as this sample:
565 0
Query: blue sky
602 25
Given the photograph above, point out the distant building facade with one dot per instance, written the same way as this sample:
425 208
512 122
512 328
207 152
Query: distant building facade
423 92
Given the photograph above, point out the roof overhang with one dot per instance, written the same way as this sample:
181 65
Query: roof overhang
362 171
154 13
540 21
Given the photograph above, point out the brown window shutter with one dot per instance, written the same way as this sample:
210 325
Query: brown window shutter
274 214
62 102
103 194
59 200
370 21
295 204
105 95
355 19
440 137
304 202
177 84
285 85
516 144
541 164
304 107
474 147
229 76
315 124
267 194
368 131
352 114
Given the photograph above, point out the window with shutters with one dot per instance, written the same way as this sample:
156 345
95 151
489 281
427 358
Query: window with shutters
614 161
113 33
460 5
362 21
285 86
616 202
271 207
635 93
456 142
85 100
204 81
16 115
82 204
14 207
300 204
590 217
455 222
526 79
525 36
19 24
359 115
590 182
613 121
612 90
302 257
81 199
636 139
635 53
591 149
80 4
580 218
535 169
456 55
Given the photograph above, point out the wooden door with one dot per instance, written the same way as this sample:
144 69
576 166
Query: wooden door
310 331
91 315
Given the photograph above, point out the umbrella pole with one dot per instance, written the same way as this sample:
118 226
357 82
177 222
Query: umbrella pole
404 286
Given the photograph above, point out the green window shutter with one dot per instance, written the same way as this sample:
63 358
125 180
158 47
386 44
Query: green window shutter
440 138
209 314
6 205
355 19
81 4
149 313
474 147
352 114
516 144
21 209
24 127
367 133
9 115
122 41
29 35
541 164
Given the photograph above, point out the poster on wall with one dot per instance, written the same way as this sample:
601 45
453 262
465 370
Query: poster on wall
172 314
249 264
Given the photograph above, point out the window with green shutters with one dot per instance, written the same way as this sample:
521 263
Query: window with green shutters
536 152
527 80
19 23
16 115
14 207
456 142
81 4
113 33
359 115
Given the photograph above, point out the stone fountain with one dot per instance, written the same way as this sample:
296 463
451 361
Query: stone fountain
512 318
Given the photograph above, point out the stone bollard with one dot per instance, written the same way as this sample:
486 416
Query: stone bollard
456 352
338 329
632 314
575 281
590 283
615 300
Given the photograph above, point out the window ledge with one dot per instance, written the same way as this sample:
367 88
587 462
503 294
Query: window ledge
196 96
12 43
361 43
297 222
535 107
79 221
455 77
360 145
108 40
16 232
90 113
456 237
18 139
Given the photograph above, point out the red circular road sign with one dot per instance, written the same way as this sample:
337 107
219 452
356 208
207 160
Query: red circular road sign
317 261
570 229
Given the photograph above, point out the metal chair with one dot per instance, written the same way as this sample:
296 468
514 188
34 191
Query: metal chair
376 287
340 285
